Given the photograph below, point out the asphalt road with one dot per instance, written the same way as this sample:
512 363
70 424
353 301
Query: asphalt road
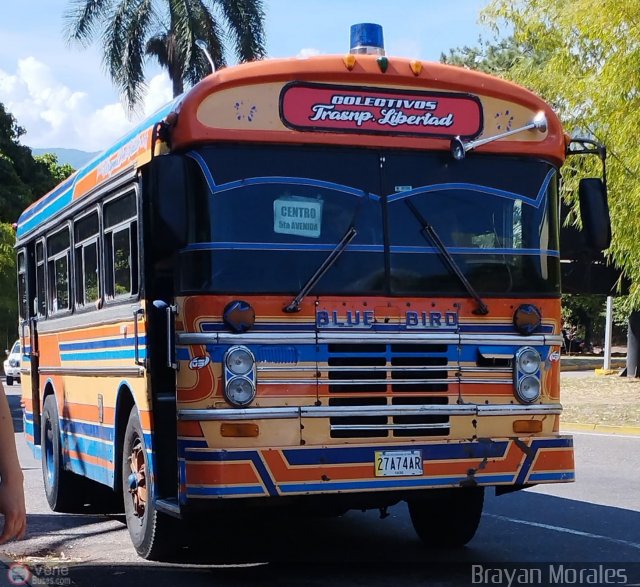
593 522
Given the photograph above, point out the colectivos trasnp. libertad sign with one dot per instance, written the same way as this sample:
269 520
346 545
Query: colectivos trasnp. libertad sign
322 107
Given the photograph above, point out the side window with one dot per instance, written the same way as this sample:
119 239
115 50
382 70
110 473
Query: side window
41 287
86 231
58 270
22 286
121 247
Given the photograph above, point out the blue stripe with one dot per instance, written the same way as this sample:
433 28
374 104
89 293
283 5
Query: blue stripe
561 476
102 344
472 187
236 490
302 246
86 429
95 472
374 248
305 181
102 432
92 448
357 455
204 168
104 355
398 483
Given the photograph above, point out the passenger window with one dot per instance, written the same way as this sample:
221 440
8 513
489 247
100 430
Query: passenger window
121 247
87 260
58 265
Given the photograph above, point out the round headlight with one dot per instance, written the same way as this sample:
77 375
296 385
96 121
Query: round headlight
528 361
239 361
240 391
528 389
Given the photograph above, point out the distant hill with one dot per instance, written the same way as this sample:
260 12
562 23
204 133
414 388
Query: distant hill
73 157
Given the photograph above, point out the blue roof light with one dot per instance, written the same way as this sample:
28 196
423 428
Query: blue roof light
367 38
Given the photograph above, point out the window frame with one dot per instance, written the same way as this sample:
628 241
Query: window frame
79 246
54 258
132 224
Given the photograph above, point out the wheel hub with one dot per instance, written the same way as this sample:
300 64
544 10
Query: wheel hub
137 480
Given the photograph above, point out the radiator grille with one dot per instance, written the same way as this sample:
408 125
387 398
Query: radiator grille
387 375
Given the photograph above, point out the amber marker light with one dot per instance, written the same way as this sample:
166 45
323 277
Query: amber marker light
239 430
349 61
527 426
416 66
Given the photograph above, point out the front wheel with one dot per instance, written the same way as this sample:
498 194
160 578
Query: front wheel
153 533
9 380
447 518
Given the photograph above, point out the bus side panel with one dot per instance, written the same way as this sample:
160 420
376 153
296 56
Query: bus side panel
87 369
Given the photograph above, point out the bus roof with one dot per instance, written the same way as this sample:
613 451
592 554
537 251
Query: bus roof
355 100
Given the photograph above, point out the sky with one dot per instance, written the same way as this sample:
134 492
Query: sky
61 95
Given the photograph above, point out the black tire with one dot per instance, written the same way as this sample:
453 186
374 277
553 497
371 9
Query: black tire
448 518
63 489
9 380
154 535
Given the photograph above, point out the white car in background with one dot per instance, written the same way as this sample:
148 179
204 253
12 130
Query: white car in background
12 363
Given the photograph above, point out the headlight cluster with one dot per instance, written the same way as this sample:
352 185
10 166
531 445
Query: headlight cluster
239 376
527 375
14 363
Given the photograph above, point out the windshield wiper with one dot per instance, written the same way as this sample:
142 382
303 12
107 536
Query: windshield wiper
429 233
294 305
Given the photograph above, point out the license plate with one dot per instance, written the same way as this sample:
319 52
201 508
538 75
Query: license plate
398 463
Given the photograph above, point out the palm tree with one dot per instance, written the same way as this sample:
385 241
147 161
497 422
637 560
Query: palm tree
132 30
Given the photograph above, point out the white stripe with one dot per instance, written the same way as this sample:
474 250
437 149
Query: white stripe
566 530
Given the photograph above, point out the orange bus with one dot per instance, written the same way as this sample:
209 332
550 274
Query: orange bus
331 282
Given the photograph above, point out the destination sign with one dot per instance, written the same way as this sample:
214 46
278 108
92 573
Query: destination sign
371 110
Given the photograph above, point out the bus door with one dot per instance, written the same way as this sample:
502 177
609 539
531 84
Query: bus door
27 290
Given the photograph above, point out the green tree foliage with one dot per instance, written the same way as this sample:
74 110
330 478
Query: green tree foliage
23 179
494 58
57 171
591 75
166 30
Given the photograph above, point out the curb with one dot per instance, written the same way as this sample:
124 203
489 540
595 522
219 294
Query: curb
616 366
601 428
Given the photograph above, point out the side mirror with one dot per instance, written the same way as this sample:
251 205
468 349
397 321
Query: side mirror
594 212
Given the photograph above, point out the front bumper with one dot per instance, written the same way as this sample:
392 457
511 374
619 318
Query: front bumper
317 470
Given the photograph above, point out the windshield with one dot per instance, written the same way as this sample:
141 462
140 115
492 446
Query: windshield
264 218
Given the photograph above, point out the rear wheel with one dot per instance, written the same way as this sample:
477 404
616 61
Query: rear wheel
9 380
154 534
448 518
63 489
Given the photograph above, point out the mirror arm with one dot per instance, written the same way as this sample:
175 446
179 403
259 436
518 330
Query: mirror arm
458 148
590 147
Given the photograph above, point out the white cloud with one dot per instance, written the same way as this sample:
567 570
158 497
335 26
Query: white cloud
55 115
